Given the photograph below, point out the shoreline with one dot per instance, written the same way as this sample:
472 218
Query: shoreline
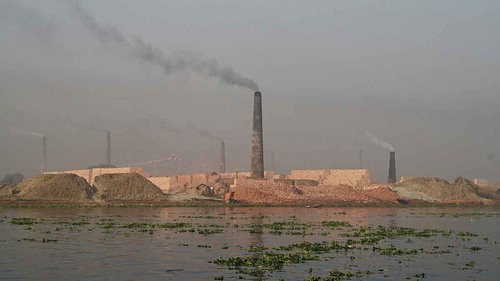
5 204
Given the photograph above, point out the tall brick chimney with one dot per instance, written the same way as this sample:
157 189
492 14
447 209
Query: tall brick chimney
392 168
108 149
257 165
44 155
222 167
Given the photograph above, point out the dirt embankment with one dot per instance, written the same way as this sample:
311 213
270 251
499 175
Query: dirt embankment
265 191
70 188
255 191
5 190
128 187
436 189
62 187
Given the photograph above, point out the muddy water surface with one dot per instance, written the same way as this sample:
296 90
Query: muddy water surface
249 243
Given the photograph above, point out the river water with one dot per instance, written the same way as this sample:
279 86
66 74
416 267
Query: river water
183 243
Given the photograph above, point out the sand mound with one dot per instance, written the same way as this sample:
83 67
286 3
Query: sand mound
439 189
62 187
345 193
264 191
5 190
127 186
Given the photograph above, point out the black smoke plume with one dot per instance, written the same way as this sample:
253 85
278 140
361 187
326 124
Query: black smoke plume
110 35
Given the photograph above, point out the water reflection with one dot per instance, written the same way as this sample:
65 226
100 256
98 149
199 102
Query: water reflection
257 233
90 251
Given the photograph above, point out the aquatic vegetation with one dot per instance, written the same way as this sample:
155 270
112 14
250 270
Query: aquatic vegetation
257 248
270 260
321 249
252 272
317 247
335 275
336 224
23 221
393 251
475 248
49 240
469 234
209 231
382 232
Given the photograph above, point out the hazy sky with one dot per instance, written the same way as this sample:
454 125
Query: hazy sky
421 75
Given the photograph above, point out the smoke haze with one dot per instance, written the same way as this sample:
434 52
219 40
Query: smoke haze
203 132
150 54
17 18
32 134
422 75
375 140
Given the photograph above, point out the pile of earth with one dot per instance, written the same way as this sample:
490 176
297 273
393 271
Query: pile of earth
436 189
60 187
5 190
344 193
126 187
264 191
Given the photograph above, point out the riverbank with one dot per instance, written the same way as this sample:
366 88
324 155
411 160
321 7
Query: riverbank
219 203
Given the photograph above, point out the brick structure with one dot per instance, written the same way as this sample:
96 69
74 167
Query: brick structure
481 182
241 175
392 168
269 175
164 183
198 179
314 175
358 178
184 179
257 155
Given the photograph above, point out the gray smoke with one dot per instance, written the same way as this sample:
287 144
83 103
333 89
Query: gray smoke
146 52
79 125
15 16
380 142
31 134
162 124
203 132
20 19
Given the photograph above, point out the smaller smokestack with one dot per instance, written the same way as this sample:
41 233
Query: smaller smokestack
392 168
222 157
257 163
108 150
44 155
361 159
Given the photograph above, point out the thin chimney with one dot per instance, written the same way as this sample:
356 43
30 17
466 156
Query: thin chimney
257 165
44 155
392 168
108 150
361 159
222 157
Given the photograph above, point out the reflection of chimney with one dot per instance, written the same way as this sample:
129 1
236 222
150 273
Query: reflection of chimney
257 165
44 155
108 150
392 168
222 157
